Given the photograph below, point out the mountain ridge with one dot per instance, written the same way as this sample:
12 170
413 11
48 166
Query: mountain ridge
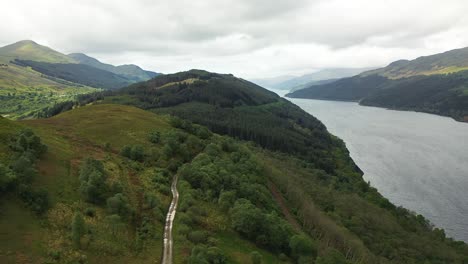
436 84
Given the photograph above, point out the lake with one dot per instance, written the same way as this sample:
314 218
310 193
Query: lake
416 160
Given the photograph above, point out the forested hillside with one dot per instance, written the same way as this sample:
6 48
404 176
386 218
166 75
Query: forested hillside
437 94
98 188
436 84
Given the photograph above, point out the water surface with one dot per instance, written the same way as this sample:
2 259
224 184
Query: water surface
416 160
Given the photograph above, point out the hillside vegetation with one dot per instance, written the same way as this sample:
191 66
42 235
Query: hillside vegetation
107 171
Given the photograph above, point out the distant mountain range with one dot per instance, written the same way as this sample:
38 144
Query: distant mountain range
435 84
34 76
288 82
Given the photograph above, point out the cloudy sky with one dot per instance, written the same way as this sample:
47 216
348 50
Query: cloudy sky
249 38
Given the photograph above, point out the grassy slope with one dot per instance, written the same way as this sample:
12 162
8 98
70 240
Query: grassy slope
23 90
71 137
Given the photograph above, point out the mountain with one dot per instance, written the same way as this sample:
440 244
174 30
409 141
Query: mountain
24 91
30 50
102 186
442 63
295 83
34 77
435 84
129 71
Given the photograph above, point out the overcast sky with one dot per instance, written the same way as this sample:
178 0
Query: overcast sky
249 38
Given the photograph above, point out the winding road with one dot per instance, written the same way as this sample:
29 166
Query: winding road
168 241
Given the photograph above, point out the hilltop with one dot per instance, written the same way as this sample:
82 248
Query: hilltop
435 84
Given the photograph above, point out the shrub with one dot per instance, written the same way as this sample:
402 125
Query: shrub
118 204
93 177
38 200
91 212
7 178
256 257
78 230
197 237
154 137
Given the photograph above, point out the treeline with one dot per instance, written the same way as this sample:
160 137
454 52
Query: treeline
81 100
18 175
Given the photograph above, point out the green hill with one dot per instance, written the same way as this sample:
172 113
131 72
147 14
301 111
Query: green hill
235 107
129 71
34 77
293 197
435 84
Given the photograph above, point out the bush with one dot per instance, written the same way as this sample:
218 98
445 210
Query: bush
255 257
93 180
302 246
38 200
27 141
154 137
135 152
202 255
78 230
197 237
7 179
118 204
91 212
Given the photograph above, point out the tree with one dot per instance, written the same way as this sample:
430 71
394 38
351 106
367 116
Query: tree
118 204
93 180
247 219
7 178
256 257
301 245
78 229
126 151
154 137
226 199
114 222
137 153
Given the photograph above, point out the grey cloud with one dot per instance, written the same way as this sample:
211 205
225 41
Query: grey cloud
248 37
